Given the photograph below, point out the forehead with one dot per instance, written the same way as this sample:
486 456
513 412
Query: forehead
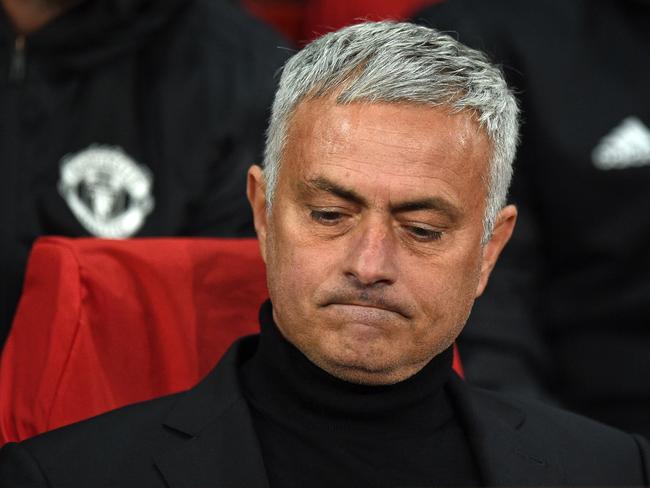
393 147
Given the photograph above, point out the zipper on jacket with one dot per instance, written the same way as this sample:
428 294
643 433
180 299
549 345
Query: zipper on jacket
17 66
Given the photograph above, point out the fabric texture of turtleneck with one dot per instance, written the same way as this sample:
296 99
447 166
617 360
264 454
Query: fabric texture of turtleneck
317 430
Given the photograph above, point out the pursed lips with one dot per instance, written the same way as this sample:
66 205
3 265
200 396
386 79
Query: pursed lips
370 306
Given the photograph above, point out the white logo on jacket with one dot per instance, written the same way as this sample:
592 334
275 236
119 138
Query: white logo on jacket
626 146
108 192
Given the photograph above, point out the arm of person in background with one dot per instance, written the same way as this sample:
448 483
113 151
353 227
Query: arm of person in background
239 116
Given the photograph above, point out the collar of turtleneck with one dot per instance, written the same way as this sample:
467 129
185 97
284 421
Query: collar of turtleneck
285 386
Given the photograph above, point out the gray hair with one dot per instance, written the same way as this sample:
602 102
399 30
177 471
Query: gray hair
400 63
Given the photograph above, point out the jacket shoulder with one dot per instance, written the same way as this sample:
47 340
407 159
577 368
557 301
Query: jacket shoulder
118 445
121 447
587 451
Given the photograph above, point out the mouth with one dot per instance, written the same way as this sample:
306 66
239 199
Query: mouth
368 309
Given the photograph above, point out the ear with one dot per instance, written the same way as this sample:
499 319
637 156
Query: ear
256 192
503 227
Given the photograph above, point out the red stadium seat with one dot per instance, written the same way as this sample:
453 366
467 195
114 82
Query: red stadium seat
105 323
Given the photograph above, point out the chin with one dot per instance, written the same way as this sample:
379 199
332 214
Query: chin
364 367
374 376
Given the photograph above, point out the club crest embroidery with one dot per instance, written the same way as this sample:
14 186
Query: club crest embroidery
108 192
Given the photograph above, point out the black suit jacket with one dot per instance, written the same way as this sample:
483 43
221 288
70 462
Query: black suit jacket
205 438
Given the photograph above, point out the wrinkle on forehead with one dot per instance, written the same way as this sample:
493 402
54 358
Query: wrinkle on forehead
331 125
418 170
386 140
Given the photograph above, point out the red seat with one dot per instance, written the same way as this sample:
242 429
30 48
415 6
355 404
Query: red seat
105 323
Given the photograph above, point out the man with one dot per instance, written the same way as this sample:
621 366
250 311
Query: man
127 118
568 319
380 213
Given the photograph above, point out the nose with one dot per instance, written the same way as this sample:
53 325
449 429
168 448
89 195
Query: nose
371 255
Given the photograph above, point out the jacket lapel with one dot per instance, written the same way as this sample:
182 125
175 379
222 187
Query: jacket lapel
506 456
220 448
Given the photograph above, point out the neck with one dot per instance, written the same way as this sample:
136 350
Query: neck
28 16
279 378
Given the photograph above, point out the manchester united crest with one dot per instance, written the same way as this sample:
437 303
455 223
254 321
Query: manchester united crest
107 191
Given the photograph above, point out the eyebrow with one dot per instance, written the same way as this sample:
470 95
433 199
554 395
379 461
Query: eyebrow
436 204
323 184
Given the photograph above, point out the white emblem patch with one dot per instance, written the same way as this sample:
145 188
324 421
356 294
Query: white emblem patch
626 146
108 192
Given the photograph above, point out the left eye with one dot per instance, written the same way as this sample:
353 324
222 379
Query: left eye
326 217
424 233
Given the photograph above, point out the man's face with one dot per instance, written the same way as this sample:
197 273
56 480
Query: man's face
373 247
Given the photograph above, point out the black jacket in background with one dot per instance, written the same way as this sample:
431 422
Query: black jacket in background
205 437
180 88
566 314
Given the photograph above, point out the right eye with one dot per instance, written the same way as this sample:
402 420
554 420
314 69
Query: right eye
424 234
326 217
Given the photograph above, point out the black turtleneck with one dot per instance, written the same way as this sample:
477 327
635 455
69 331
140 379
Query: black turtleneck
317 430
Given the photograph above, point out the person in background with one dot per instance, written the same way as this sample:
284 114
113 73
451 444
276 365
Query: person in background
122 118
567 316
380 211
303 20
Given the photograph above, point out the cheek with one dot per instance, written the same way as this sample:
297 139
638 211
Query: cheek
295 266
303 255
445 289
445 300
